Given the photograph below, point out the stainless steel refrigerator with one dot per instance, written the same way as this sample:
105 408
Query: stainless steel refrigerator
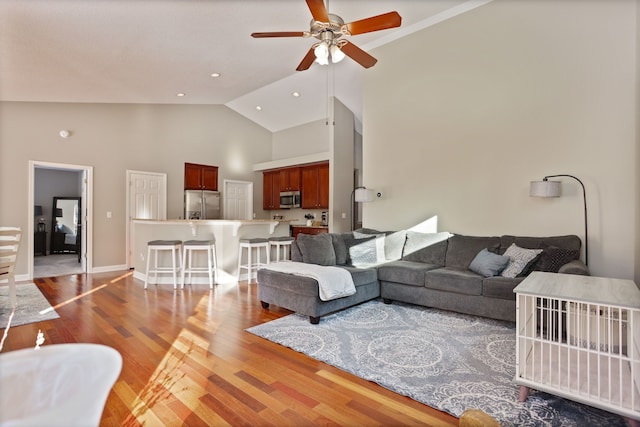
201 204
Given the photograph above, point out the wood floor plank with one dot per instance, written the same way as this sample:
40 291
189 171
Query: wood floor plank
187 359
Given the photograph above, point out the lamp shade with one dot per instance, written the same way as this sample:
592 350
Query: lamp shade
544 188
364 195
37 210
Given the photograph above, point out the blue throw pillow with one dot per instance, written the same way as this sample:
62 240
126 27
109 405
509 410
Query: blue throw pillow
488 264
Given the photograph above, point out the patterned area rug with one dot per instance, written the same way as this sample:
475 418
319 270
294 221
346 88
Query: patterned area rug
445 360
32 306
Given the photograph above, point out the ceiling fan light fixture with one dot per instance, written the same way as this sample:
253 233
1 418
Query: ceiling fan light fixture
337 54
322 54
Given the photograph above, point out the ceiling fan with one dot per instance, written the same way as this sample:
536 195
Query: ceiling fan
329 29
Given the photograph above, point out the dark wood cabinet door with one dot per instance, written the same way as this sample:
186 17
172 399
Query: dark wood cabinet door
192 176
315 186
210 178
309 178
271 190
323 186
290 179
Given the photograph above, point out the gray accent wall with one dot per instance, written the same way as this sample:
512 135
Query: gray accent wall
461 116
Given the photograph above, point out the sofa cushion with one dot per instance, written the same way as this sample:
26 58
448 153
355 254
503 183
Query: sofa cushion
568 242
394 244
488 264
296 255
362 276
317 249
462 249
340 247
454 280
429 248
519 259
405 272
500 287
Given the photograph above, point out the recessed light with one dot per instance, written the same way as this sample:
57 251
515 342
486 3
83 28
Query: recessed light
180 94
295 94
215 75
259 108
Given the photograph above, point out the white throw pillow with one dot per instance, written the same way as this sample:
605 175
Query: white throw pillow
380 239
518 259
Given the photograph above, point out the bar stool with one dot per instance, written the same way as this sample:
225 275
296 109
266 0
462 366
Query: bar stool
257 243
281 244
175 246
188 248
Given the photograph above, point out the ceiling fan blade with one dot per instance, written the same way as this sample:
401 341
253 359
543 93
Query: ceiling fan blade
358 55
279 34
318 10
307 61
374 23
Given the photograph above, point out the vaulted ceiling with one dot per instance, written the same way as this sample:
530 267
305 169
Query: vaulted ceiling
149 51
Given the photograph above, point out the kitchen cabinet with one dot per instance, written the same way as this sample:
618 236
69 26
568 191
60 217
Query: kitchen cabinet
315 186
271 190
200 177
290 179
307 230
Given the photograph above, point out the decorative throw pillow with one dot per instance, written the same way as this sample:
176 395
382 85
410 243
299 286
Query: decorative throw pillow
380 239
488 264
518 259
553 258
362 252
317 249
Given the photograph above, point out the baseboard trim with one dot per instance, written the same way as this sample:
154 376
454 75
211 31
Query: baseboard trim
109 268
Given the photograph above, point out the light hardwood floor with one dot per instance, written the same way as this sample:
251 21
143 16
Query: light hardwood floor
188 360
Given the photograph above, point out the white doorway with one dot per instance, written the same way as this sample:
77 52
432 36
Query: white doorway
146 199
238 199
85 185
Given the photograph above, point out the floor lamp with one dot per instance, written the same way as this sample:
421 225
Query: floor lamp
546 188
360 194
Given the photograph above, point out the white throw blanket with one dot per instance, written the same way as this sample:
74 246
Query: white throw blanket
333 282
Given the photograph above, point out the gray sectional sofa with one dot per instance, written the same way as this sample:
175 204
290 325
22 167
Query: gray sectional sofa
467 274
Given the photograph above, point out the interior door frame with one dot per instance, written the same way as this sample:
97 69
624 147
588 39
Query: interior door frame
163 212
87 195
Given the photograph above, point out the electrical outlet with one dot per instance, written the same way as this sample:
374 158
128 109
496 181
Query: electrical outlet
344 215
108 214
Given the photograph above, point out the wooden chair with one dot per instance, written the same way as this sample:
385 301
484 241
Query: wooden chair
9 245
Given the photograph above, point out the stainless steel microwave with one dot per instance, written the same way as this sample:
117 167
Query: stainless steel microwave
289 199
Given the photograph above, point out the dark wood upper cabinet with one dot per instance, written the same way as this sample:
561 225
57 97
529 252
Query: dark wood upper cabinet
290 179
271 190
315 186
200 177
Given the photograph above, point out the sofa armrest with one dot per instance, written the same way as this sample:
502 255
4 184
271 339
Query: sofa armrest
575 267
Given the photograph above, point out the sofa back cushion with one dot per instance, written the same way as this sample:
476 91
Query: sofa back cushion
317 249
429 248
461 250
340 247
393 241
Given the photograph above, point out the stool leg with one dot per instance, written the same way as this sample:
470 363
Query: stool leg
215 263
173 264
239 262
190 266
146 277
210 267
249 265
184 262
268 257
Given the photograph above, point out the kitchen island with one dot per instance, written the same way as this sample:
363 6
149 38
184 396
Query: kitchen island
226 233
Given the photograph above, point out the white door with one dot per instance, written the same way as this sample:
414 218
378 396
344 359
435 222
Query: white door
238 199
146 199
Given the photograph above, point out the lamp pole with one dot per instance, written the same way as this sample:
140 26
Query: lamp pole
584 198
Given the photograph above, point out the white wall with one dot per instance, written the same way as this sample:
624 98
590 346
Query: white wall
341 167
505 94
114 138
309 138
